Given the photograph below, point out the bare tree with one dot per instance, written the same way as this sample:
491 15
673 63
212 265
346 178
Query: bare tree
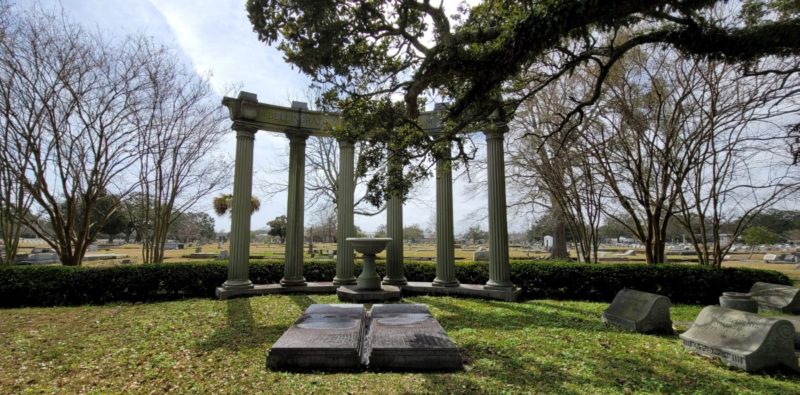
322 173
743 166
180 127
551 168
641 147
68 96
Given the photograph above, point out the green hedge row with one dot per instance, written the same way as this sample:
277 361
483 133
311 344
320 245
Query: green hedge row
61 285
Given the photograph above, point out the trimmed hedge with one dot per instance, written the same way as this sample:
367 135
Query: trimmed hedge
62 285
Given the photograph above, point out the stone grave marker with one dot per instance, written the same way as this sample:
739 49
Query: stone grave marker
639 312
743 340
326 336
408 337
776 297
480 256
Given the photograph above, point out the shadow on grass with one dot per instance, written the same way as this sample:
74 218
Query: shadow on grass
588 357
514 315
241 330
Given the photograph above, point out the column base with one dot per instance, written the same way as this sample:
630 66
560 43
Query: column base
500 286
344 281
293 282
395 281
440 283
237 284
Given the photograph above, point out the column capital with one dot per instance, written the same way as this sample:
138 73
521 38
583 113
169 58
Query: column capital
243 129
495 133
296 137
345 143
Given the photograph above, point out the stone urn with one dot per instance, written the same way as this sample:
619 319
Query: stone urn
368 280
738 301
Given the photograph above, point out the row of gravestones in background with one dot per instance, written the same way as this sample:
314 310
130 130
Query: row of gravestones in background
741 339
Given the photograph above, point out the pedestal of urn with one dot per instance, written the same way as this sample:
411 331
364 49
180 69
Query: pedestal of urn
368 280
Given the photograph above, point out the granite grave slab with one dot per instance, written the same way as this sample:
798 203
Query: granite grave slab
743 340
325 337
776 297
408 337
639 311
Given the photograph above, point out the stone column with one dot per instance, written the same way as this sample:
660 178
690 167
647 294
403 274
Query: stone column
345 190
445 253
394 230
238 266
499 269
293 268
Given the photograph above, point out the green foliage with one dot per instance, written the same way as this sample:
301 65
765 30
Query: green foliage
413 233
109 211
369 52
61 285
756 235
779 222
475 233
277 227
193 226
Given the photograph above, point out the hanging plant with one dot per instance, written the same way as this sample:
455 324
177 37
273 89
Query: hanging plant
224 203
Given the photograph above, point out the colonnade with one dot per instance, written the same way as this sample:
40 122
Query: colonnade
238 272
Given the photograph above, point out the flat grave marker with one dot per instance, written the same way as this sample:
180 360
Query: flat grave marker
408 337
325 337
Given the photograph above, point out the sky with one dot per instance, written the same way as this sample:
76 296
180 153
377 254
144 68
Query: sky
216 38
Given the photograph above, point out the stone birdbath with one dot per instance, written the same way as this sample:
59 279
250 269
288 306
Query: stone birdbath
368 280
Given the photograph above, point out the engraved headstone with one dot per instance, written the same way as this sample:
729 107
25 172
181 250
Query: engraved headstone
776 297
324 337
743 340
639 312
408 337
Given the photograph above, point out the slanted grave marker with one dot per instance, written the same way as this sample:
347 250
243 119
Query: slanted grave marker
639 311
743 340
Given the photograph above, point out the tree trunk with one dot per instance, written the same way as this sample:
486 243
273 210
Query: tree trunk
559 235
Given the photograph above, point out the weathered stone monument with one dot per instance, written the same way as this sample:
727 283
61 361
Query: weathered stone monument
408 337
776 297
742 340
297 123
324 337
639 312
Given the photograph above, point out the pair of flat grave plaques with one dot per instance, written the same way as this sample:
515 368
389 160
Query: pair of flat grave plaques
346 337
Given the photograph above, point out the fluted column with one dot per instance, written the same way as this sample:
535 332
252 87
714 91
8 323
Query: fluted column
445 252
293 268
344 215
499 269
394 230
238 265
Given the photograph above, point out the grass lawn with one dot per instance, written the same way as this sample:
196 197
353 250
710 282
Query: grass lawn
208 346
